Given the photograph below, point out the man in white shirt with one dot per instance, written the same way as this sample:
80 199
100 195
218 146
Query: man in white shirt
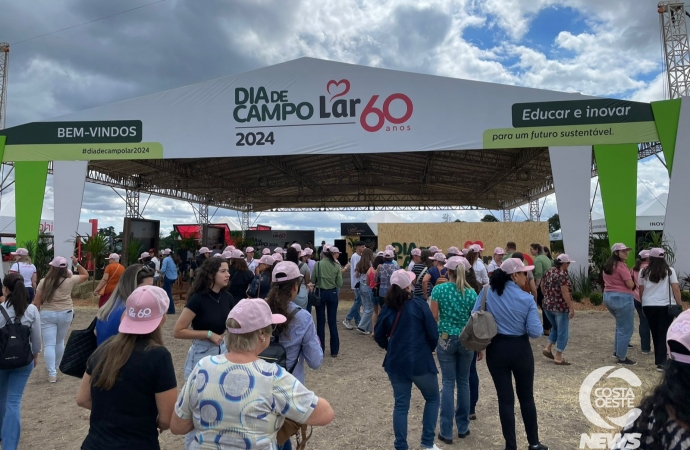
157 263
252 263
354 311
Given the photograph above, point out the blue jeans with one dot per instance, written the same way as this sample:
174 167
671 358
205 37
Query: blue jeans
31 293
54 326
474 384
455 361
12 384
368 304
622 307
329 303
560 329
643 329
286 446
402 391
354 311
167 286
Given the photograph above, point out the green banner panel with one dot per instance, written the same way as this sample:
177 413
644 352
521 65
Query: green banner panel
83 152
570 135
580 112
2 147
666 116
30 185
617 166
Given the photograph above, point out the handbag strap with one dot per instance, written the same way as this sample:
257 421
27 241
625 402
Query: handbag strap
669 289
421 275
483 307
395 322
5 315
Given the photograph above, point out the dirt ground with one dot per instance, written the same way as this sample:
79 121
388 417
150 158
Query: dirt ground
358 388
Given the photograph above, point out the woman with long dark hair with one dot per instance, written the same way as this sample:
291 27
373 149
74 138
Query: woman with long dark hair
130 384
509 355
208 304
664 423
408 332
262 281
420 270
110 314
54 300
13 381
451 305
364 267
659 289
474 257
641 262
328 278
373 281
240 275
619 300
293 255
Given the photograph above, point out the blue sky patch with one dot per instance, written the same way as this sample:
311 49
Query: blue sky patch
549 22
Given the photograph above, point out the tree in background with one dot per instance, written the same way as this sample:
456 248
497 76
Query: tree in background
554 223
489 218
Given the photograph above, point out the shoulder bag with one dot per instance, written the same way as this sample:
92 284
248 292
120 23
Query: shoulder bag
673 310
480 329
80 345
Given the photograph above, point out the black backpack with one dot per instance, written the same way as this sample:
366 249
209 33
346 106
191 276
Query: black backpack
15 343
276 353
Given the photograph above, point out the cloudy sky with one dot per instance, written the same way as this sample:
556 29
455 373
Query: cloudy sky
606 48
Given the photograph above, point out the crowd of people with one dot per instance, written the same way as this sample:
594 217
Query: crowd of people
252 332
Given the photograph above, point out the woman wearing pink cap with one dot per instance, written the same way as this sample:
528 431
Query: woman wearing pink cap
436 274
619 300
496 262
451 305
509 355
23 266
237 400
664 422
54 300
129 385
409 334
262 281
558 307
240 275
659 289
474 257
641 262
328 278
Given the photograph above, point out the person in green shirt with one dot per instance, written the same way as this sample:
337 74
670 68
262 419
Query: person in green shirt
510 249
541 264
327 277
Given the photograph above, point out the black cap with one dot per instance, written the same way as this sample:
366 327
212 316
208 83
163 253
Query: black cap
359 243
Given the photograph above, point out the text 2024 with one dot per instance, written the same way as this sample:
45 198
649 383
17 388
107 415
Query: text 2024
258 138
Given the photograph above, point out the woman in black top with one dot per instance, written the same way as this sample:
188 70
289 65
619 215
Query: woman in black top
206 311
130 384
240 276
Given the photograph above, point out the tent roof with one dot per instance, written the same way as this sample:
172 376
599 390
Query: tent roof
385 217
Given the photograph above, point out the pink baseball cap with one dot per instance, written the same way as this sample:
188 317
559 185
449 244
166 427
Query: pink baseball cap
513 265
390 247
564 258
167 251
21 252
388 254
657 253
619 246
144 310
58 261
237 254
678 335
433 249
644 254
253 314
278 250
456 261
217 255
229 248
226 254
334 249
249 250
454 251
114 257
476 248
277 257
416 252
297 247
285 271
267 259
309 251
266 251
145 255
204 250
303 253
499 251
439 257
380 254
402 278
465 251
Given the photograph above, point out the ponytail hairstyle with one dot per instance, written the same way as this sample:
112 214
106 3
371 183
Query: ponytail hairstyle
292 255
19 296
329 255
396 297
471 278
498 281
538 248
458 275
638 263
278 298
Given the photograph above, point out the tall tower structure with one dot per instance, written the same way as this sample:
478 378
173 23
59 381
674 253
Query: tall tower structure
676 50
4 60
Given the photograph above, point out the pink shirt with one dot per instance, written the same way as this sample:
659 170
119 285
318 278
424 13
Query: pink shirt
636 280
616 281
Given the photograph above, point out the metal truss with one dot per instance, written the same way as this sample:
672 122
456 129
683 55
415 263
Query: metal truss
4 64
506 215
132 203
676 50
379 208
203 212
534 213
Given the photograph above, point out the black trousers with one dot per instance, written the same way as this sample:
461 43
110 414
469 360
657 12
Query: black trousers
508 357
545 320
659 323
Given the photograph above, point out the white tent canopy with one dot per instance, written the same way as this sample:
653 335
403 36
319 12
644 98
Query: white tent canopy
650 217
383 217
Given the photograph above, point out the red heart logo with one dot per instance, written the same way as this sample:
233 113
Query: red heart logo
528 259
468 243
344 90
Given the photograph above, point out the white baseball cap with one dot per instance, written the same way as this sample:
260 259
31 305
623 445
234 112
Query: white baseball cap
513 265
402 278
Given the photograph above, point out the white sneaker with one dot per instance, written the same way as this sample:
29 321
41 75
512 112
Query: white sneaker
347 324
52 379
435 447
